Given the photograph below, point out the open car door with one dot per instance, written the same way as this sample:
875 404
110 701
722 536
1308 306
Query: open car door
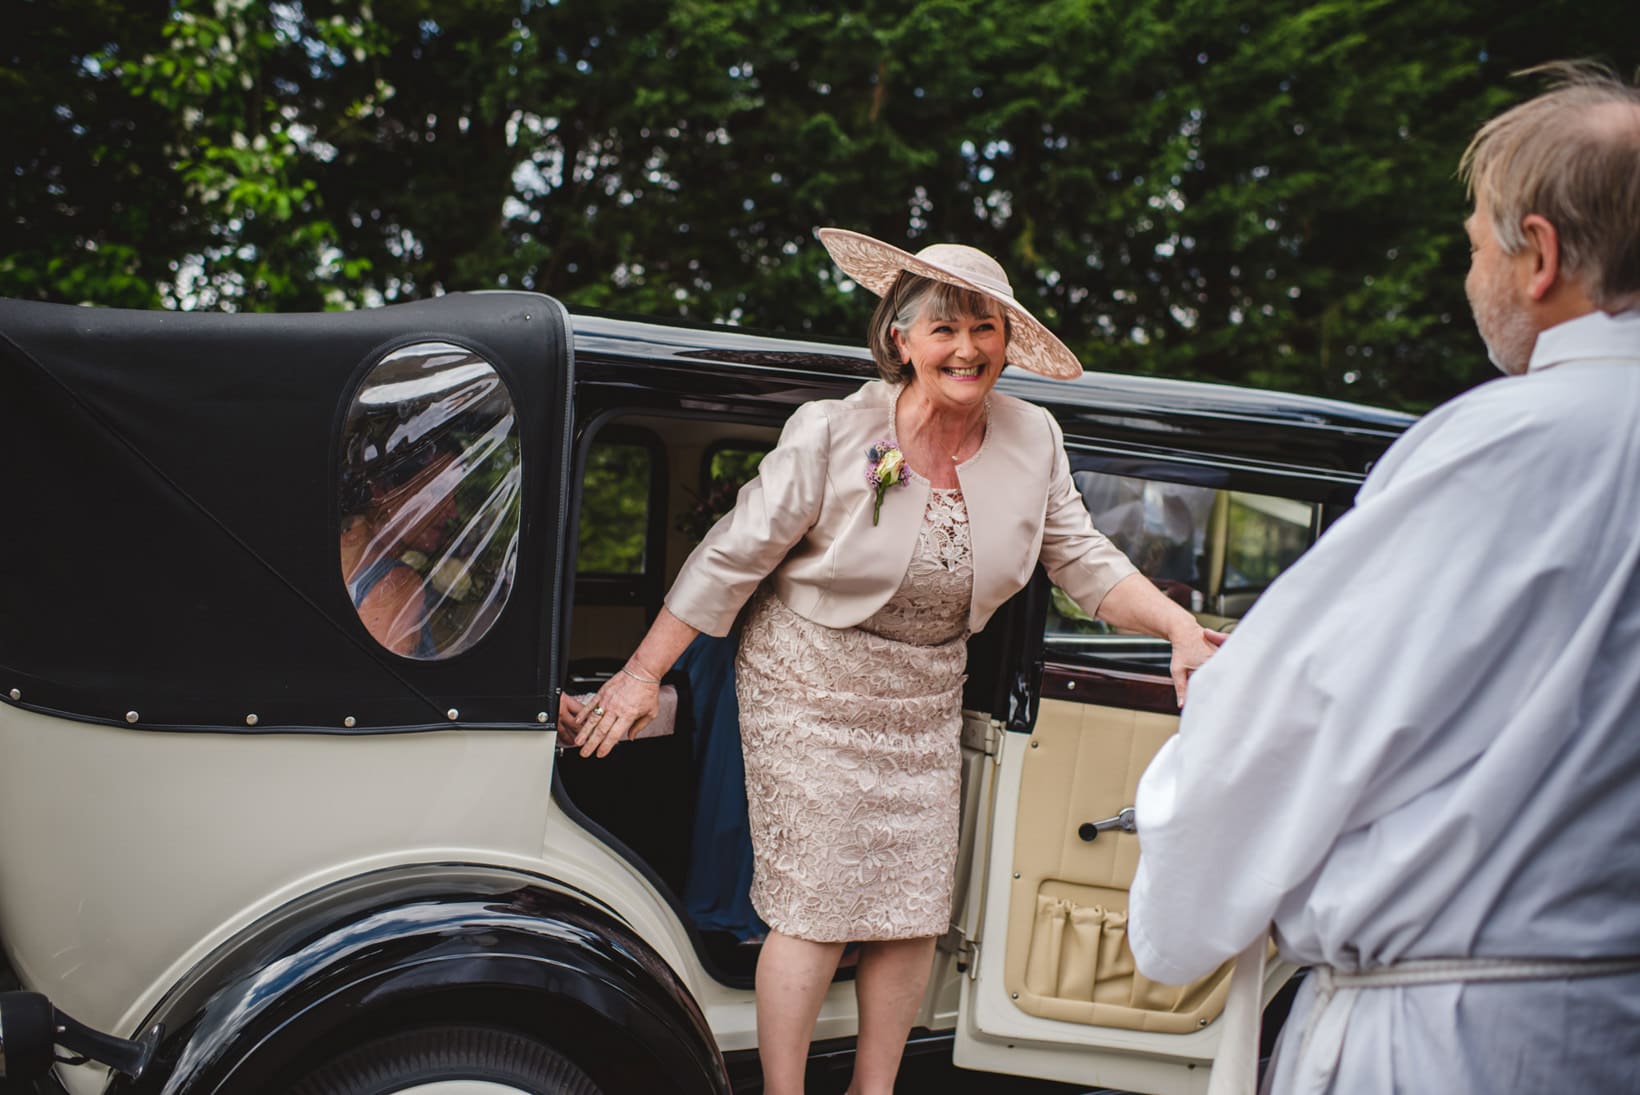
1052 990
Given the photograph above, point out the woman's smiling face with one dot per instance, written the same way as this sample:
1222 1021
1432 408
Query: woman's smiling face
957 358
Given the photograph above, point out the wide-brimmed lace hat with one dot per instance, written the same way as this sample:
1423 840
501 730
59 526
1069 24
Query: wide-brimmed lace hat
875 265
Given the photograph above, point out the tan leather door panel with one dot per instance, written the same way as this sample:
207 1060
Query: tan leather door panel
1067 953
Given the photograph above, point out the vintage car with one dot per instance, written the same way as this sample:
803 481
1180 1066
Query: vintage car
286 605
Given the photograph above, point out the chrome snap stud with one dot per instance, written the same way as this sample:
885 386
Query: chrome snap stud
349 722
540 716
16 693
452 714
250 720
130 716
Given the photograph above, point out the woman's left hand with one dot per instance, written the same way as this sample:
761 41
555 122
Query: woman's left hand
1191 649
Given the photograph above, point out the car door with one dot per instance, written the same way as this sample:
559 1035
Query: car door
1052 990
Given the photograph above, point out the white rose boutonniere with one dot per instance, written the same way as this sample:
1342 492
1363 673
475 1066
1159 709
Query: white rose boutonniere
885 468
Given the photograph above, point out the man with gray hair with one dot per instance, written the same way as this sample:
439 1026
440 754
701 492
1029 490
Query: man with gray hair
1418 757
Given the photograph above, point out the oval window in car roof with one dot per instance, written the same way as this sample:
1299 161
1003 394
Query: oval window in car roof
429 490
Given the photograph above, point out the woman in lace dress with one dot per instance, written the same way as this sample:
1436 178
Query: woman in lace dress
881 531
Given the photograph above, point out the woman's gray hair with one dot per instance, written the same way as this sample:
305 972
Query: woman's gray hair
904 304
1572 156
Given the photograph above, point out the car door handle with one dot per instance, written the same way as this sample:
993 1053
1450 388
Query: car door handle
1123 821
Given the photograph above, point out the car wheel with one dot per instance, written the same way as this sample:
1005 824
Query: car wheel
449 1060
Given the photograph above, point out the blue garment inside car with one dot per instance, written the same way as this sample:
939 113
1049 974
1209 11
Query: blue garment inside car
717 892
372 576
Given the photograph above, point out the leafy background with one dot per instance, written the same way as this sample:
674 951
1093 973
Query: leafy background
1257 192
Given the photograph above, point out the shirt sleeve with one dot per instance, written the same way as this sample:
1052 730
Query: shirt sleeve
771 514
1333 703
1078 557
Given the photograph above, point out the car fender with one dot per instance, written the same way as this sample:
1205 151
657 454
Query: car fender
430 944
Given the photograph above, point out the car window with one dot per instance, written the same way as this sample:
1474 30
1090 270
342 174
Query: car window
429 499
725 468
615 500
733 464
1210 550
1265 536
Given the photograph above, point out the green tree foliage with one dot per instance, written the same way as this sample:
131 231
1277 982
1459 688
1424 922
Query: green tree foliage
614 509
91 209
1251 192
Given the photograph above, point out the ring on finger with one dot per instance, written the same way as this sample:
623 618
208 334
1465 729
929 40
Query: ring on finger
598 710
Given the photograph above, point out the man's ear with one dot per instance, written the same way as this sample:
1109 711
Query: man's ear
1543 248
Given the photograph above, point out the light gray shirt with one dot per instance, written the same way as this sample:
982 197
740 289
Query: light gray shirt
1424 742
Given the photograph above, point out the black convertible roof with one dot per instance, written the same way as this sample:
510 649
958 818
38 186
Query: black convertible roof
170 557
171 490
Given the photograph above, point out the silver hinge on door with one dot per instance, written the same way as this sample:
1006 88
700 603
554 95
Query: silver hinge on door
966 951
983 735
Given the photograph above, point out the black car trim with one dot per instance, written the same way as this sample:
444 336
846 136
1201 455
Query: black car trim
430 941
553 628
650 342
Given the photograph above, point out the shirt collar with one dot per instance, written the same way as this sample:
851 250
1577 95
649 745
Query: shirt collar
1596 335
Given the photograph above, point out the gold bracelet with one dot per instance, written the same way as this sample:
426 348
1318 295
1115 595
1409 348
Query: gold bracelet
636 677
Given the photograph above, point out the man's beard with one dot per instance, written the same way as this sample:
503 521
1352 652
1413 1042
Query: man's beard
1506 329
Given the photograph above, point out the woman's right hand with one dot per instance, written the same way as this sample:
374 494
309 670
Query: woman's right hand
622 706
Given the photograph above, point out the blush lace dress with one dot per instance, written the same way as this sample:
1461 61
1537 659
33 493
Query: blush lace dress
852 740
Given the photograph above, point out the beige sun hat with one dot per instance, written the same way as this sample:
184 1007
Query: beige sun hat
875 265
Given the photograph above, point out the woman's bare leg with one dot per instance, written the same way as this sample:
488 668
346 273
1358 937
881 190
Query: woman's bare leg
792 978
890 983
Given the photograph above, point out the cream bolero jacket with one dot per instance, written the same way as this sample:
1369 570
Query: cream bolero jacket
806 520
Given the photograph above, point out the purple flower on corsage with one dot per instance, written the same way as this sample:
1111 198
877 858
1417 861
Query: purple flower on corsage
885 467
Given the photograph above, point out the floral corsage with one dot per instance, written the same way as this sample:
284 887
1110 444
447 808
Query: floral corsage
885 467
